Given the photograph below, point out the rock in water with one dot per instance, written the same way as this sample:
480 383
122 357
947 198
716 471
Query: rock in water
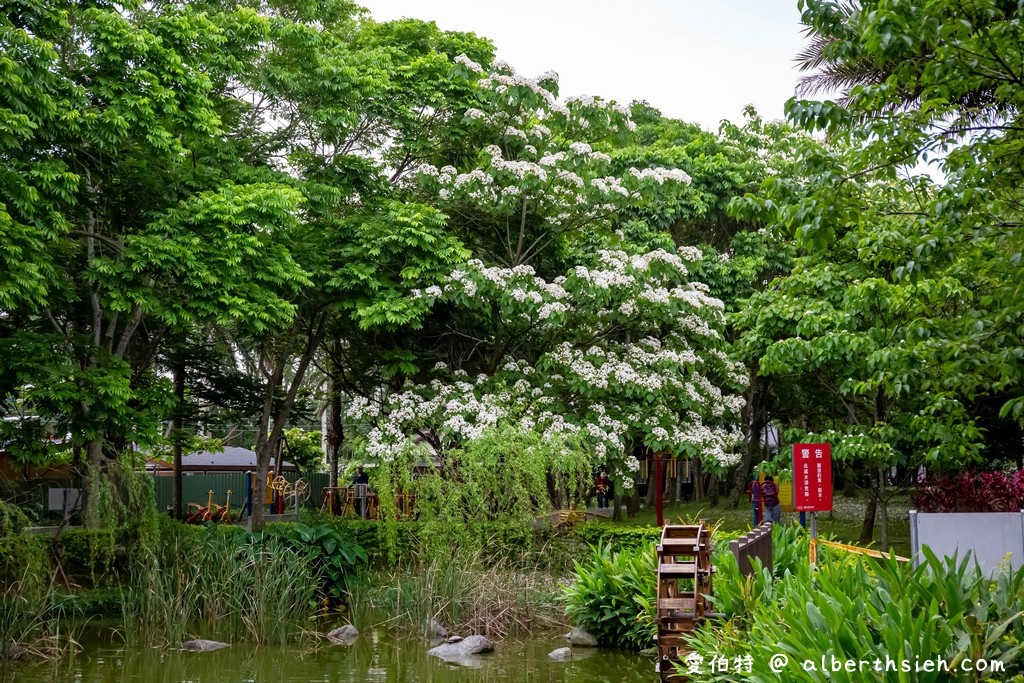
581 638
561 654
202 645
344 634
470 645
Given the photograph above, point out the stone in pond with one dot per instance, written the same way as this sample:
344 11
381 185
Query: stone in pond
470 645
578 636
200 645
561 654
344 634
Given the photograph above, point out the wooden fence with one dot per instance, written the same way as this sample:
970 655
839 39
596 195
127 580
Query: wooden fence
757 543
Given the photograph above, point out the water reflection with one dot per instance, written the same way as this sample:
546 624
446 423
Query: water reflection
376 656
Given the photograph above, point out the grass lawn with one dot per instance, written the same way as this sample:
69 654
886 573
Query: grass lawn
842 524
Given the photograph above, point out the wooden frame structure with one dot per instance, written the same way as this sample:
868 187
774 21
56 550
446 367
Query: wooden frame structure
684 582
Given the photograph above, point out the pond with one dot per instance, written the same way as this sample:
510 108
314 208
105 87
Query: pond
378 655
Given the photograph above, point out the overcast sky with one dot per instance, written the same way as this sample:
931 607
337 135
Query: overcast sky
697 60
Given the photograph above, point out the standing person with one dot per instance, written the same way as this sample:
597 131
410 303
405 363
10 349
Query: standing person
770 496
603 486
360 483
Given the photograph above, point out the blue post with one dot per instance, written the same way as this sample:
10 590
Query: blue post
248 494
803 519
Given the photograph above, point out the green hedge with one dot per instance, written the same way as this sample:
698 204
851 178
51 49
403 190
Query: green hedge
546 546
602 535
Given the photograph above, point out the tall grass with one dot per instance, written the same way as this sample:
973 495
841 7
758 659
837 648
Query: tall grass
229 586
465 593
30 619
31 626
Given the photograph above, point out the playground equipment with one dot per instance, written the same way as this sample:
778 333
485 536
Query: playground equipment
286 489
360 501
684 583
211 512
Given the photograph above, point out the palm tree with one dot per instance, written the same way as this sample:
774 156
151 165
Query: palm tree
837 59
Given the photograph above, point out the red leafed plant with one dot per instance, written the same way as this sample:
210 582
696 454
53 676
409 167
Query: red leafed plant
971 492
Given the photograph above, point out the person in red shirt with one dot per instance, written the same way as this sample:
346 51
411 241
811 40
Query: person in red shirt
603 487
770 496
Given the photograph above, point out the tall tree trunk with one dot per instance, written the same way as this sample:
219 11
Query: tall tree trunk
93 481
713 493
633 503
698 480
177 438
883 510
754 418
272 422
335 429
867 530
554 491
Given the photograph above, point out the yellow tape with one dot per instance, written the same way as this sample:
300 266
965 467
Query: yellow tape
857 549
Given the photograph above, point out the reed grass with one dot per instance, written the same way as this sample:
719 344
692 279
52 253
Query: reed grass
464 593
31 625
224 586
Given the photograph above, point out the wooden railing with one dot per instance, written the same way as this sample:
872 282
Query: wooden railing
757 543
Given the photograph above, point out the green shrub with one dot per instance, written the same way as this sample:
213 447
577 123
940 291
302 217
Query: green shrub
330 554
388 543
12 519
24 556
95 554
612 597
600 534
95 602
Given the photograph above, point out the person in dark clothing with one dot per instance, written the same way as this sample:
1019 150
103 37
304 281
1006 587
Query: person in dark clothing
603 487
770 496
360 493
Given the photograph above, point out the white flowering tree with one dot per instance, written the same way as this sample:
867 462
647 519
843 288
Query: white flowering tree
560 325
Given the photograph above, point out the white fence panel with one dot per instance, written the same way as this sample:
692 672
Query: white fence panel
992 537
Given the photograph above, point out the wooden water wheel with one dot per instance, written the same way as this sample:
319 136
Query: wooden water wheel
684 582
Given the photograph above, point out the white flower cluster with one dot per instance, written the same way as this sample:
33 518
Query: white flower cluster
609 185
478 115
469 64
504 77
512 131
660 175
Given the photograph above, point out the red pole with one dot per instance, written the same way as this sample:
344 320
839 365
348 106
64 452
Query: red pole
659 490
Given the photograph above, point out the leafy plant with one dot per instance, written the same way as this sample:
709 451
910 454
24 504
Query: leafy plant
971 492
332 556
612 597
859 609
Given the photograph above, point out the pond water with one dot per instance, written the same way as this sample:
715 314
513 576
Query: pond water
377 656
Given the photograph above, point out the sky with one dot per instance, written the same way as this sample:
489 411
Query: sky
697 60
